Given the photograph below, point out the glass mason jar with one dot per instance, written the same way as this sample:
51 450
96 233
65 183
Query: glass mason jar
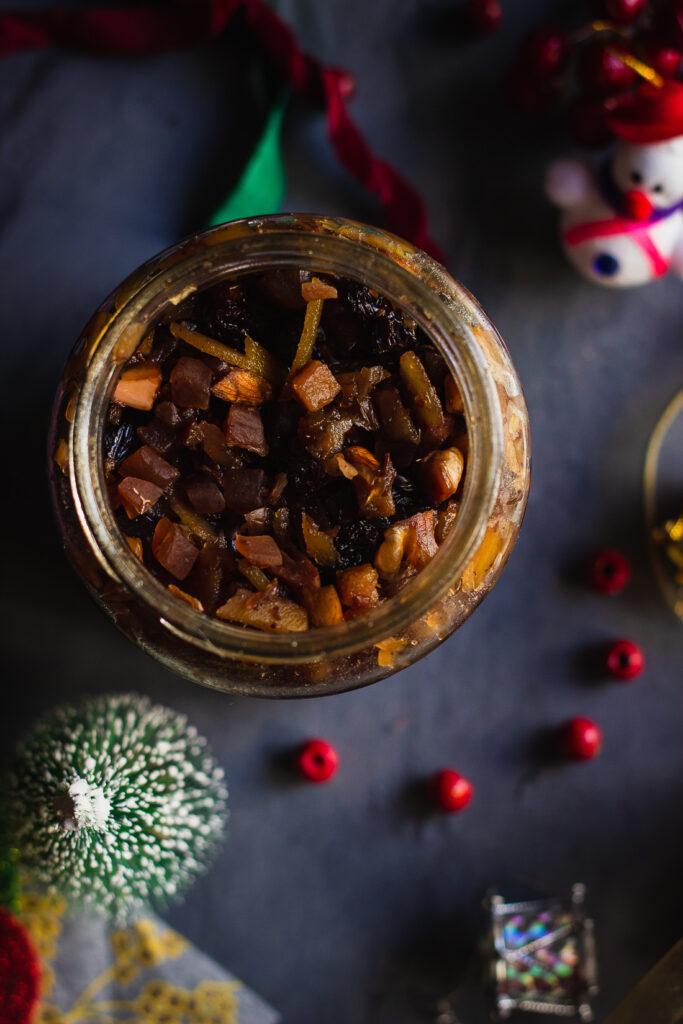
431 605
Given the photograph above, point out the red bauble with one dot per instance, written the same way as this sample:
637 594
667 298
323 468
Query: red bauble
318 760
452 791
19 972
624 659
624 11
609 571
545 51
485 15
666 60
587 121
582 739
602 72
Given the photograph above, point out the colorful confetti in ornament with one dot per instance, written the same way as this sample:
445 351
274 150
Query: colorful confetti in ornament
543 956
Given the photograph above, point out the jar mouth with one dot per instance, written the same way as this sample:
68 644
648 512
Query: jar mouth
444 310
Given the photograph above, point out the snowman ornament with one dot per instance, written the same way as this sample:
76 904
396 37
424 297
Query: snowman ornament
624 225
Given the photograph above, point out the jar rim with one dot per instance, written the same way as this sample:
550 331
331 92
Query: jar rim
442 307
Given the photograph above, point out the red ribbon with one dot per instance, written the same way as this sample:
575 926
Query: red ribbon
186 23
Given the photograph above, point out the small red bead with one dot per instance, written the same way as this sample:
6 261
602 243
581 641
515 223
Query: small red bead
452 791
609 571
602 71
545 51
318 760
624 11
485 15
582 739
624 659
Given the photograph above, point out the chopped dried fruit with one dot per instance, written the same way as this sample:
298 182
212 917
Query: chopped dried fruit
323 606
260 550
204 494
421 393
319 545
358 587
314 310
243 428
314 385
317 289
135 545
242 386
138 386
350 458
172 549
245 490
193 602
146 464
138 496
273 614
453 402
441 473
190 383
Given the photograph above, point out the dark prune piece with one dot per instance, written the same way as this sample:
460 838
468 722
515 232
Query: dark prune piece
358 541
245 489
157 435
305 476
119 441
204 494
283 287
190 383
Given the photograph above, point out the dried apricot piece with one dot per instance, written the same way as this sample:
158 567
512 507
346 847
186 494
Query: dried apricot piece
137 387
268 613
314 385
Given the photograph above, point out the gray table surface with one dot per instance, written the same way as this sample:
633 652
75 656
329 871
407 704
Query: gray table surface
346 904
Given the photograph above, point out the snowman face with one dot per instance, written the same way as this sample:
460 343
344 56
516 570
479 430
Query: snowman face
656 170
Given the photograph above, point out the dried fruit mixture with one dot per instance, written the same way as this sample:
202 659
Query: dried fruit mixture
287 452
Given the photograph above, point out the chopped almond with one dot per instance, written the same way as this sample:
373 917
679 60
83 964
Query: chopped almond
146 464
314 385
243 428
446 517
244 387
135 545
421 393
260 550
319 545
317 289
323 606
138 386
172 549
357 587
454 402
193 602
371 482
407 546
138 496
271 614
441 473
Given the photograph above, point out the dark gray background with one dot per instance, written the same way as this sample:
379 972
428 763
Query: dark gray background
346 904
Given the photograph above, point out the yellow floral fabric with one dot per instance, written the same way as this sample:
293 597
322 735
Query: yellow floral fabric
149 974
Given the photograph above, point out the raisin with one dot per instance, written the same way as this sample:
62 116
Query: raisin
119 441
358 541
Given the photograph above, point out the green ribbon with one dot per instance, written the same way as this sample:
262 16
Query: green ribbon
261 188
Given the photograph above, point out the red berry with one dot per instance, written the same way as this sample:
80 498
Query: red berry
582 738
485 15
318 760
666 60
624 659
452 791
609 571
545 51
624 11
587 120
601 70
